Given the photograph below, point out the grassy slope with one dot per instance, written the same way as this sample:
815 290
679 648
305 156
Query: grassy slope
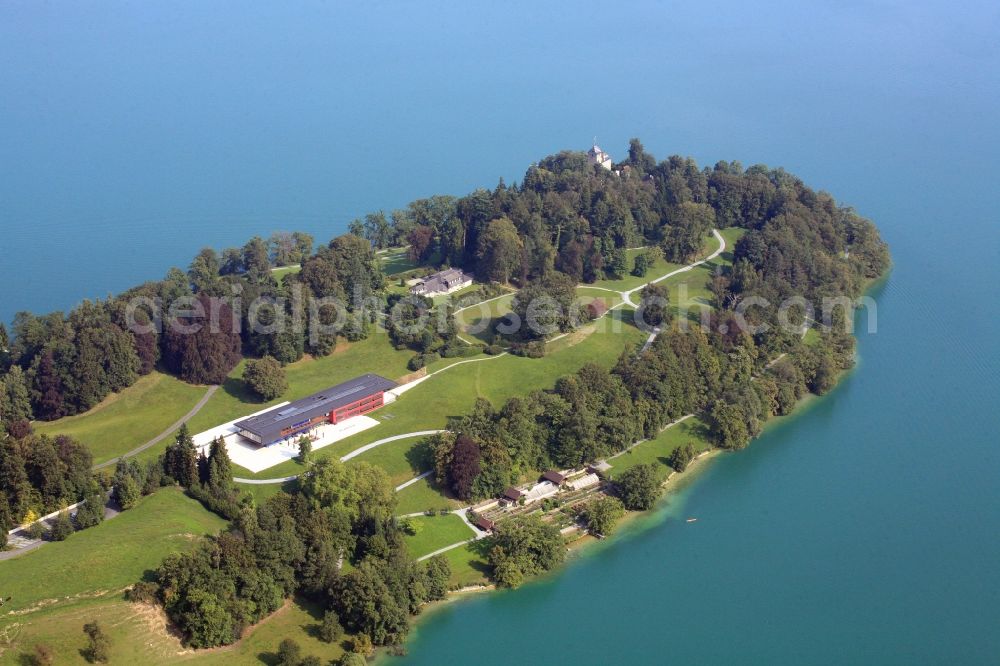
127 419
107 557
139 636
434 532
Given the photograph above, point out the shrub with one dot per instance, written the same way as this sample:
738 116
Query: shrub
42 656
493 349
681 457
265 377
127 492
360 644
289 653
330 630
62 527
36 530
533 349
143 592
305 448
99 645
603 514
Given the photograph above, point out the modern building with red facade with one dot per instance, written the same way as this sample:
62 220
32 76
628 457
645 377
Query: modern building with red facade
337 403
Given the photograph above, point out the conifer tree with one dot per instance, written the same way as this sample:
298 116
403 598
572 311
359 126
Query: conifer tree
220 468
181 460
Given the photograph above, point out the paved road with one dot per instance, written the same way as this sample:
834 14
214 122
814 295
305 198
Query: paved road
20 543
166 433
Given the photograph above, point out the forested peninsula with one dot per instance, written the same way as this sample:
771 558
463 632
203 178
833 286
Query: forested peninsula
335 537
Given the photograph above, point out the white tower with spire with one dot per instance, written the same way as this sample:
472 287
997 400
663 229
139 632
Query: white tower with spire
597 156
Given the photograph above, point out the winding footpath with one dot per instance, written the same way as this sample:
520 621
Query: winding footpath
627 295
166 433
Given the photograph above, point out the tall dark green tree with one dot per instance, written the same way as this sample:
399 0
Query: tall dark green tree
181 459
220 468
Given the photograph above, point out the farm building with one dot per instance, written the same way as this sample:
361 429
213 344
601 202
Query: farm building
337 403
554 476
485 524
443 282
512 494
540 491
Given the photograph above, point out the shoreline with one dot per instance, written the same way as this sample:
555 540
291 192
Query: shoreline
629 523
633 521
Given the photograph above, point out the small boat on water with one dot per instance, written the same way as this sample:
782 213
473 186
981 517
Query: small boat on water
692 520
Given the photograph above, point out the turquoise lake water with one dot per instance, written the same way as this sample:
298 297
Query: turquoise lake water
864 530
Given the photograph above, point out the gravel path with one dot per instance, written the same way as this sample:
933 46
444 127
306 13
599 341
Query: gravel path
166 433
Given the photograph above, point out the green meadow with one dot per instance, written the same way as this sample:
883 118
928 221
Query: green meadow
435 532
124 420
106 558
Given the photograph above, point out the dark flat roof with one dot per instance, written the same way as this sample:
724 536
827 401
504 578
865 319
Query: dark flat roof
270 424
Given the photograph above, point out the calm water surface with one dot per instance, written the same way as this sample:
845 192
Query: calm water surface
864 530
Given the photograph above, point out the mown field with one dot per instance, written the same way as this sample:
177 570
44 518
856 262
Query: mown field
422 496
434 532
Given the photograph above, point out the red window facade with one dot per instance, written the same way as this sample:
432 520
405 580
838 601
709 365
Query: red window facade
356 408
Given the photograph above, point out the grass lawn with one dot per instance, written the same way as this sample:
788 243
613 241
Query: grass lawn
469 564
124 420
394 261
662 266
109 557
587 294
659 449
423 495
434 532
475 321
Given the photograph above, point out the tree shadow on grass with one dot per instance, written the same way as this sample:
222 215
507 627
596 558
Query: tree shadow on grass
419 456
481 548
698 429
237 389
269 658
